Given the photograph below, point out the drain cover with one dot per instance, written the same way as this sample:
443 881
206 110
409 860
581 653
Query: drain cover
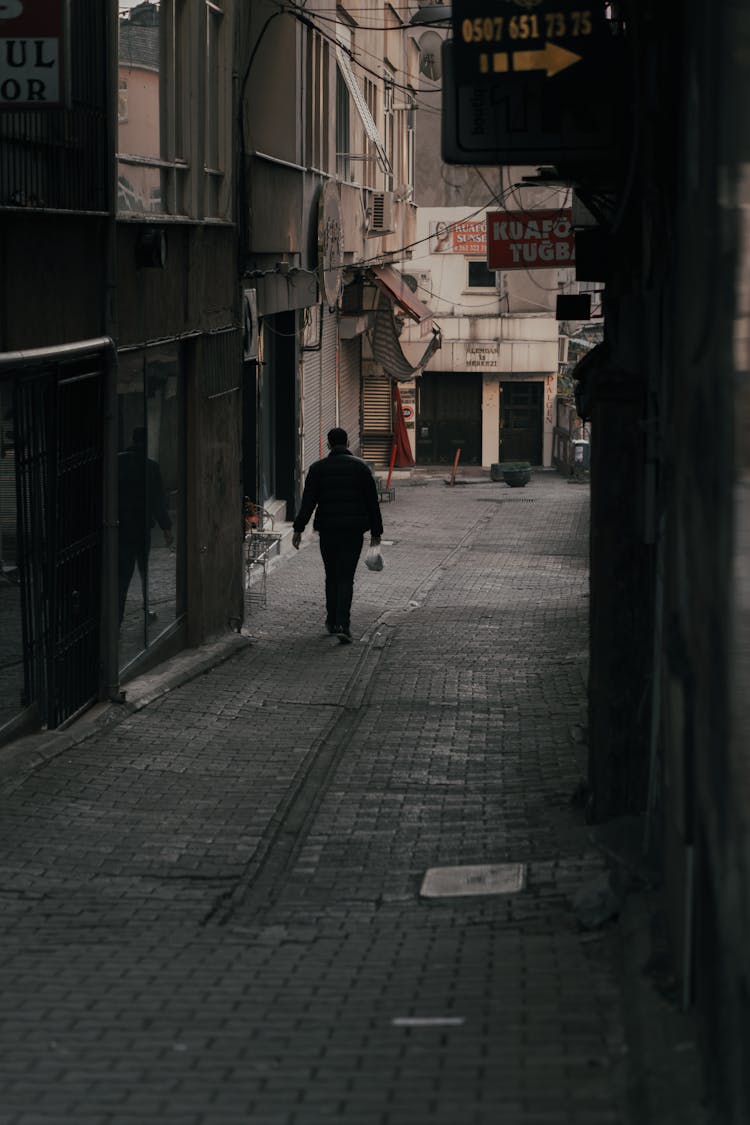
480 879
428 1021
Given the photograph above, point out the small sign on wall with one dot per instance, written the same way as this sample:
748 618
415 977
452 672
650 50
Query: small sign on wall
32 51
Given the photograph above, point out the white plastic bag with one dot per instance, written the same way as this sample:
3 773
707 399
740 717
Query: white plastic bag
374 558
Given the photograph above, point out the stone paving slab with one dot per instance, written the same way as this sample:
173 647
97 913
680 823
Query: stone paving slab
210 910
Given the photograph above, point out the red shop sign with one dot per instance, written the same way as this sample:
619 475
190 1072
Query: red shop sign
530 240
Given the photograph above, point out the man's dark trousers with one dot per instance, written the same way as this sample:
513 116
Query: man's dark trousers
340 551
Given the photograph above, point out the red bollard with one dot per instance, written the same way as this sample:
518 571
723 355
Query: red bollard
390 467
455 465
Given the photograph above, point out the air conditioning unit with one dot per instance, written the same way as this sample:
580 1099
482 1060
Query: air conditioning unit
382 213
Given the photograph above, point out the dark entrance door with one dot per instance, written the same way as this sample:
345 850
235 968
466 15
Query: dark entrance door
449 417
521 422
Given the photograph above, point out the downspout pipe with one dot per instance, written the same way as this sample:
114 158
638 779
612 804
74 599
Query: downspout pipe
110 640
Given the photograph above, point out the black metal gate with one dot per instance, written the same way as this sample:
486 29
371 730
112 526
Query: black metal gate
521 406
58 449
449 418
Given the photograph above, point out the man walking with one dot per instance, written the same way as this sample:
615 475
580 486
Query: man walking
341 490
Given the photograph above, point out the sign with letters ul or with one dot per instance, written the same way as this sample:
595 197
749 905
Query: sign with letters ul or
530 240
32 36
531 81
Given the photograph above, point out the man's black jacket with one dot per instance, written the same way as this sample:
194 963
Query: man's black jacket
343 490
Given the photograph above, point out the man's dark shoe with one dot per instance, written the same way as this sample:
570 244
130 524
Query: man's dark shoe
343 636
330 628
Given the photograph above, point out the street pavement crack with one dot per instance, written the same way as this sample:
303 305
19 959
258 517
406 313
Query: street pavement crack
286 830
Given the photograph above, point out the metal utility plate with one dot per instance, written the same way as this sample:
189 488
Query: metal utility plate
480 879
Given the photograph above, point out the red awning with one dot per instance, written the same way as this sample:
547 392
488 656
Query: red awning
392 283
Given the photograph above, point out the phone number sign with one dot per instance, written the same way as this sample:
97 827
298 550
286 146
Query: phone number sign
522 37
32 37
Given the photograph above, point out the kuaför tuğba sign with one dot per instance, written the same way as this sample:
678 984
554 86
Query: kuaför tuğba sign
31 53
528 240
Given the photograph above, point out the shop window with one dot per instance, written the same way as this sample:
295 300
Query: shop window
151 496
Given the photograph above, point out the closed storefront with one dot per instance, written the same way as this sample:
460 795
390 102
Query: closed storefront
521 421
319 366
449 417
349 390
377 420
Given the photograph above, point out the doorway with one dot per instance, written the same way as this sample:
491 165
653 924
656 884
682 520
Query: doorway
449 417
521 422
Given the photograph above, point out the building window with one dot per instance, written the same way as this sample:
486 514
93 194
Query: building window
317 107
410 146
218 111
389 121
173 66
372 153
343 131
371 101
479 277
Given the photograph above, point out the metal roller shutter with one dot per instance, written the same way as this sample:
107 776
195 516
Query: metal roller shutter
319 389
329 413
349 390
377 420
311 387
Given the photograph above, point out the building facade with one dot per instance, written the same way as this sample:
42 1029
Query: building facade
326 192
190 198
120 353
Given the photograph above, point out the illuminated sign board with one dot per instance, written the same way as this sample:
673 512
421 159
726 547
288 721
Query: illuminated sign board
530 240
32 39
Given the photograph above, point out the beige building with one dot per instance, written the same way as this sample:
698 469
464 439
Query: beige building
326 191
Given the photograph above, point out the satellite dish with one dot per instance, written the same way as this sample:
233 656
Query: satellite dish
430 47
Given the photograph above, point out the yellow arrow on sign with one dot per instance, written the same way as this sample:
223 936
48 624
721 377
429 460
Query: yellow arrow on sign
553 59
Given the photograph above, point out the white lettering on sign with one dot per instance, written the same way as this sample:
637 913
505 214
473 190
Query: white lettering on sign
527 240
29 70
518 231
531 252
10 9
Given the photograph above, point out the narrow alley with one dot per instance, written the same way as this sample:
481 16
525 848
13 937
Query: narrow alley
211 908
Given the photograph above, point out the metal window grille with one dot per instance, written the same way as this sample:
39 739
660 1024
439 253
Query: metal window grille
221 363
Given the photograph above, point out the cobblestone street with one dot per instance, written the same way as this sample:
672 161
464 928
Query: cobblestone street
211 909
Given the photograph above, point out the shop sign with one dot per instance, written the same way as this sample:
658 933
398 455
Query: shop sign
533 82
32 52
530 240
478 355
523 37
468 237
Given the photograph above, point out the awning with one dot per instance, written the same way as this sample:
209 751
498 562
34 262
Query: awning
392 283
363 110
387 349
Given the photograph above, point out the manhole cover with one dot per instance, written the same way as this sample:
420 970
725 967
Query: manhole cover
479 879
